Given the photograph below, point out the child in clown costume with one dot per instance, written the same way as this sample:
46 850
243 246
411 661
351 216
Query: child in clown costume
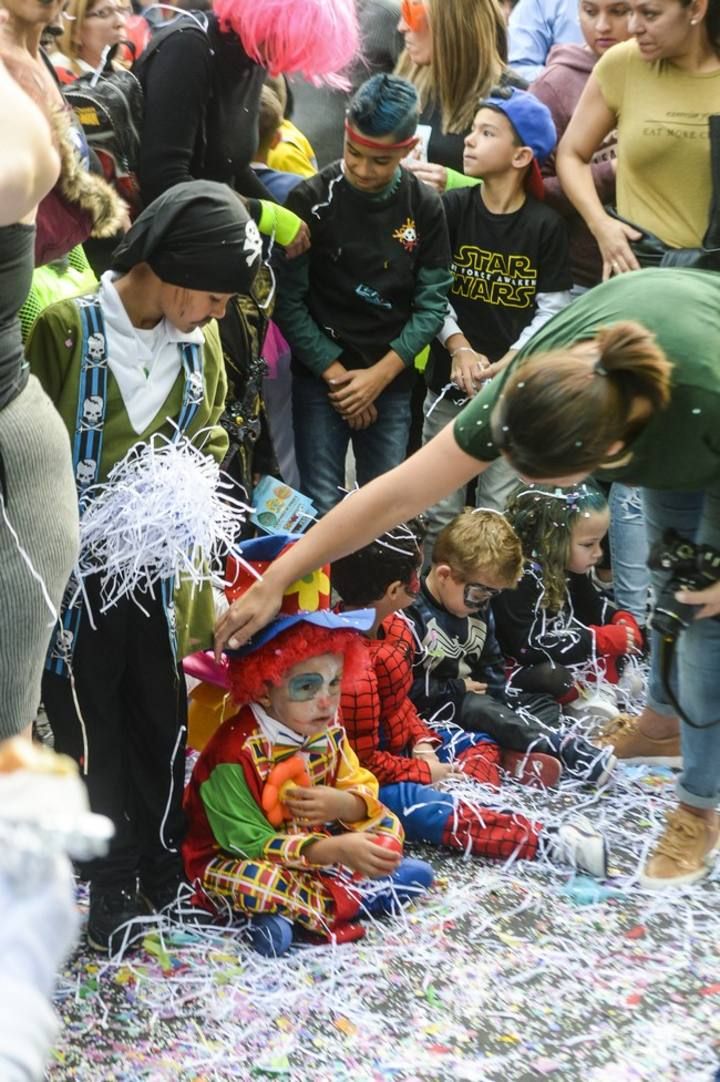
291 872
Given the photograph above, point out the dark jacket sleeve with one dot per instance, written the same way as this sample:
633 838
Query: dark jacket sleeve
490 668
589 605
428 693
177 82
529 635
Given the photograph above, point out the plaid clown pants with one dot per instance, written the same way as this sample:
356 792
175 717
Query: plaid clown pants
314 898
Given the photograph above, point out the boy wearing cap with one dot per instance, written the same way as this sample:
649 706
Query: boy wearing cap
283 857
510 271
366 299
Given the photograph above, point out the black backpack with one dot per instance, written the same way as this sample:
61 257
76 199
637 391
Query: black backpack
110 107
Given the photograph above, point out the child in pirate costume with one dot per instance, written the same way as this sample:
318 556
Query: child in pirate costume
280 857
368 296
408 757
137 357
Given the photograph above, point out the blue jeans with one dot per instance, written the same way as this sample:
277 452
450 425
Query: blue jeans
694 677
322 439
494 485
629 548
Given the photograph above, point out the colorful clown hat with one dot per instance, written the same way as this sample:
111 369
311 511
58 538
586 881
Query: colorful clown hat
306 600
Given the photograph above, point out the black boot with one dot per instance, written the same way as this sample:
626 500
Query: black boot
112 913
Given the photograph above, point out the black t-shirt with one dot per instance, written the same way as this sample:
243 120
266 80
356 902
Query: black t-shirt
500 263
364 259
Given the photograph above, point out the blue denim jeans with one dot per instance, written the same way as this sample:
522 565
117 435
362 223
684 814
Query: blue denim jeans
629 548
322 439
494 485
694 678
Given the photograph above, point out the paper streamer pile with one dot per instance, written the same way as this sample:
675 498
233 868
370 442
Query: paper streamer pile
164 513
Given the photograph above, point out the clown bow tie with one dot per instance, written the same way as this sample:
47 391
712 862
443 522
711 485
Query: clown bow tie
312 745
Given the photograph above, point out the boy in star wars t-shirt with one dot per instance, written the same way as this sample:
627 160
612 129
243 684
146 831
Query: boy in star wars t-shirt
509 265
369 295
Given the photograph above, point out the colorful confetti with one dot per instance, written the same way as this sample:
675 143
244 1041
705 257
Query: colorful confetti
504 974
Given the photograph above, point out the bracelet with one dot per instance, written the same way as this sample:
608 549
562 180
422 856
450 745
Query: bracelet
463 349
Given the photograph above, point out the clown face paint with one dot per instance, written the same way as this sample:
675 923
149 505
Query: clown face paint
308 698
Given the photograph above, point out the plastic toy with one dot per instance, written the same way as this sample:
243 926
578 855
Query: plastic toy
286 775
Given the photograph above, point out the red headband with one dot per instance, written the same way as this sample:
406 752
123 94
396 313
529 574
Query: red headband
363 141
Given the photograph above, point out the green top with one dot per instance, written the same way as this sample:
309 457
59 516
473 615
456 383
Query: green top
679 448
53 353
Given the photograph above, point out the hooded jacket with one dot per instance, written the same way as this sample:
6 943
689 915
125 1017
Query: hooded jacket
560 87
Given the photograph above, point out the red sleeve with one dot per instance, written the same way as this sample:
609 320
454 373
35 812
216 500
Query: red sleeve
610 641
418 729
360 708
629 620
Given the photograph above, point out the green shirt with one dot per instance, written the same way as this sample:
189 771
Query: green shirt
679 448
53 353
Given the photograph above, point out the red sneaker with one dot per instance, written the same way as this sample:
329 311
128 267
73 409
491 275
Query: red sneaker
532 768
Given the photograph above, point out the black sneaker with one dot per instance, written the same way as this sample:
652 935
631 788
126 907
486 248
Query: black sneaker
176 900
112 919
586 762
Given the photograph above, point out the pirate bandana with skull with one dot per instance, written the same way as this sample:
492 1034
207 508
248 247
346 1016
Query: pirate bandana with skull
252 244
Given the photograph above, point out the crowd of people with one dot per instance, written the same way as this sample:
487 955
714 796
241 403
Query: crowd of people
447 267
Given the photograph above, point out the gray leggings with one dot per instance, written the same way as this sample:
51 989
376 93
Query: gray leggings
39 503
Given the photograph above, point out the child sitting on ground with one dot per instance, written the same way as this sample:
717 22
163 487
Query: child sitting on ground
366 299
459 663
557 627
275 856
510 271
407 756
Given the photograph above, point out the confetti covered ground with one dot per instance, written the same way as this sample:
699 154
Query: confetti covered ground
518 973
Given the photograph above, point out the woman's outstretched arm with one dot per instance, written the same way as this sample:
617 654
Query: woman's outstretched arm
433 472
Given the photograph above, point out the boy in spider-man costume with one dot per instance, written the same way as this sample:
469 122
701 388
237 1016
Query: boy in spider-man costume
406 755
281 857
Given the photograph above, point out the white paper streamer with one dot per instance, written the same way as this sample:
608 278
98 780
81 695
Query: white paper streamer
165 512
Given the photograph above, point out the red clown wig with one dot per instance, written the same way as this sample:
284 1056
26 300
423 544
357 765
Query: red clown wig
251 674
317 38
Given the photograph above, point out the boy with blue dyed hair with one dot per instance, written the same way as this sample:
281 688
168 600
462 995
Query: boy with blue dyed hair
368 296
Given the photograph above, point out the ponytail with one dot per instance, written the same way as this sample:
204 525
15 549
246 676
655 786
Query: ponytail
561 411
629 351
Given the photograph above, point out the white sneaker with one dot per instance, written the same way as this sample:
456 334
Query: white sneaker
632 682
578 843
593 705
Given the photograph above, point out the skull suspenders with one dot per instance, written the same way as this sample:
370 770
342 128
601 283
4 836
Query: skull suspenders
87 455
